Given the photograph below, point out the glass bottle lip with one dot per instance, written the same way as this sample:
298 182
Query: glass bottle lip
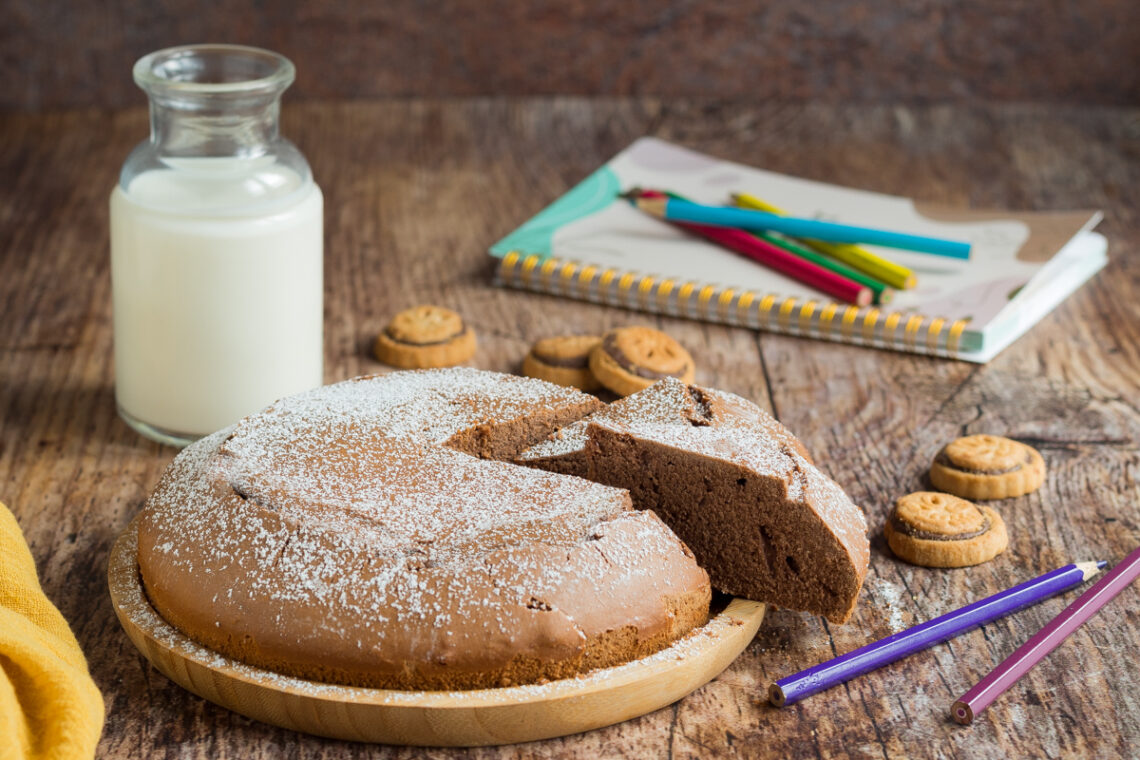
213 69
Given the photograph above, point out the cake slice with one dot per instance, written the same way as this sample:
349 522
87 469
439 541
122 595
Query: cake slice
733 484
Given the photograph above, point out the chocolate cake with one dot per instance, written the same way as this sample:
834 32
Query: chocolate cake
734 484
362 533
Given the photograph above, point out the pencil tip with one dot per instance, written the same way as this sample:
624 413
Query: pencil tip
654 206
1089 569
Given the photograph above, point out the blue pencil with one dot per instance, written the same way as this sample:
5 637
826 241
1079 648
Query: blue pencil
792 689
683 211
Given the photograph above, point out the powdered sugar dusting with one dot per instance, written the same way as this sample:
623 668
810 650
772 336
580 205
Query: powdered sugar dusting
719 425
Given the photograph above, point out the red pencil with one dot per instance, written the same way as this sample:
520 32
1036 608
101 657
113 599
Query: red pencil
835 285
1046 640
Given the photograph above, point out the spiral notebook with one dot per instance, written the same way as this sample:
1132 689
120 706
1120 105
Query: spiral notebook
591 245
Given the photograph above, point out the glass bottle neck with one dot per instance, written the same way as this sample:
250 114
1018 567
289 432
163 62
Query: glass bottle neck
214 146
200 128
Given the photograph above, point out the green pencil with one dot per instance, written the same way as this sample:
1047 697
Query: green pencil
880 292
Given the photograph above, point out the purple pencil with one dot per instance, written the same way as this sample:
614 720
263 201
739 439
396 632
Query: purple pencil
1046 640
792 689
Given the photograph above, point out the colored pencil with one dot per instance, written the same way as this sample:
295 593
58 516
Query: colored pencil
792 689
889 272
1046 640
829 282
880 293
747 219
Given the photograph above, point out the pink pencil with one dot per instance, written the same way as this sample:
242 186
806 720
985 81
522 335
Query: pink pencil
1046 640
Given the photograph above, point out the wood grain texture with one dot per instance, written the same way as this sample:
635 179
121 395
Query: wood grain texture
66 54
415 192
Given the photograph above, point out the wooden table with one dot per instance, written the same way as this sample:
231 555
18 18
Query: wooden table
416 190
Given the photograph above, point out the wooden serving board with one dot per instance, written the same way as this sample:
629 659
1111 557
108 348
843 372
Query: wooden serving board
425 718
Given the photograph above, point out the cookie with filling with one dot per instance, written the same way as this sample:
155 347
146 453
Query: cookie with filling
425 337
940 530
563 360
630 359
987 467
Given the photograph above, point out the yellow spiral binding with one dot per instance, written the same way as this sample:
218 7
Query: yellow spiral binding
527 268
726 297
955 335
586 279
547 270
870 321
891 326
912 326
786 313
849 315
827 316
644 288
742 306
663 292
569 269
806 312
841 322
765 309
703 299
933 332
604 290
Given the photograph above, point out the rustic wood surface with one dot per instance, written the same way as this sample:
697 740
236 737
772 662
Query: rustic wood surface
415 192
60 53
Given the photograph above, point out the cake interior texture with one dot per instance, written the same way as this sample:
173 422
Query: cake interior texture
734 485
365 533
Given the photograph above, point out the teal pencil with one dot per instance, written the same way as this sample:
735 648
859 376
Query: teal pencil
746 219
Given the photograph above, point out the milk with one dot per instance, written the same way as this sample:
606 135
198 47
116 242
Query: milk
216 269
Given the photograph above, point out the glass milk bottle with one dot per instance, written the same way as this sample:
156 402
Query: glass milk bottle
216 248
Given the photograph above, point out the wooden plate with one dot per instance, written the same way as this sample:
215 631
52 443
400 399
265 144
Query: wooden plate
426 718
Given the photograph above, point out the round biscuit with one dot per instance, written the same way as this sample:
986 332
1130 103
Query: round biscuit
987 467
630 359
941 530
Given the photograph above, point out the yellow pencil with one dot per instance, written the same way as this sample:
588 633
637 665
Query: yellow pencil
860 258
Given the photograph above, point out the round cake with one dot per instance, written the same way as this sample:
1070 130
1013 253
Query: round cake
366 533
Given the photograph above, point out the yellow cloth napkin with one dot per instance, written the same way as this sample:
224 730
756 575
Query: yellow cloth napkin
49 706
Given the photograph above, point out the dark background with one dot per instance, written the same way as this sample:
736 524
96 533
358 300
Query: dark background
57 54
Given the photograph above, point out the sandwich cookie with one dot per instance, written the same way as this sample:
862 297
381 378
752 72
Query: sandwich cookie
630 359
424 337
987 467
563 360
939 530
